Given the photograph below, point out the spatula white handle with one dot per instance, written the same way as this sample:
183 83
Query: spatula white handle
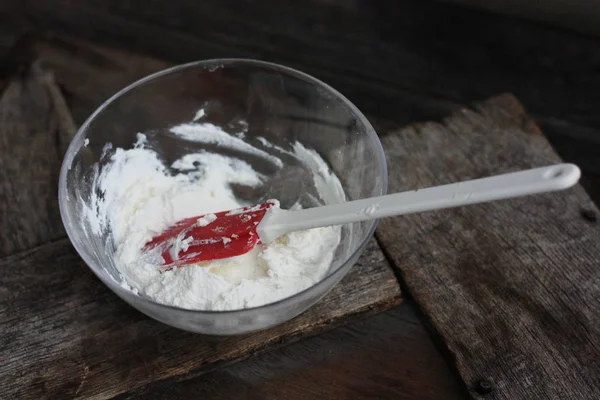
532 181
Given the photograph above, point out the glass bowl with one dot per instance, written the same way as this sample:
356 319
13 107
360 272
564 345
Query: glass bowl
260 99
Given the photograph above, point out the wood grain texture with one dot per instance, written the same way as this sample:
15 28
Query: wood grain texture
35 128
415 60
513 286
89 74
388 356
405 60
65 335
79 66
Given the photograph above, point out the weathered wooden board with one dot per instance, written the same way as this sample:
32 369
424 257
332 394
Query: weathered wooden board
406 60
558 83
63 334
35 128
512 287
88 74
384 357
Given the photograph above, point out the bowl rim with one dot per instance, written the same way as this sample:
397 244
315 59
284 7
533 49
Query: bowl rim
211 65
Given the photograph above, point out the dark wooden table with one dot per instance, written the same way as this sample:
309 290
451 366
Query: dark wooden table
400 62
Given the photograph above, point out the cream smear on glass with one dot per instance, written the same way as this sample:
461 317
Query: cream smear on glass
141 196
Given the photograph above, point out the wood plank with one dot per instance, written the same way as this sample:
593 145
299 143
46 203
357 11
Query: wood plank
88 74
401 59
512 287
35 128
65 335
74 62
388 356
430 62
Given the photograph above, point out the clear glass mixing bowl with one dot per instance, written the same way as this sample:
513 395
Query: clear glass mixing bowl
262 100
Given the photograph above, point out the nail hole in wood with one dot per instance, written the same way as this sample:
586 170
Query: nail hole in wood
484 386
589 215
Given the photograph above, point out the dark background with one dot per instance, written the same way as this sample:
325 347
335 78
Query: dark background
580 15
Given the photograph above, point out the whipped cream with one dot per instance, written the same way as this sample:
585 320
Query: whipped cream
140 197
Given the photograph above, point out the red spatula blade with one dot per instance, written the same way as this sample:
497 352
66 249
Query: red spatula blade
210 237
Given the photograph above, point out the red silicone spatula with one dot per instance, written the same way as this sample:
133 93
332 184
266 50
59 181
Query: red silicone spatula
233 233
210 237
